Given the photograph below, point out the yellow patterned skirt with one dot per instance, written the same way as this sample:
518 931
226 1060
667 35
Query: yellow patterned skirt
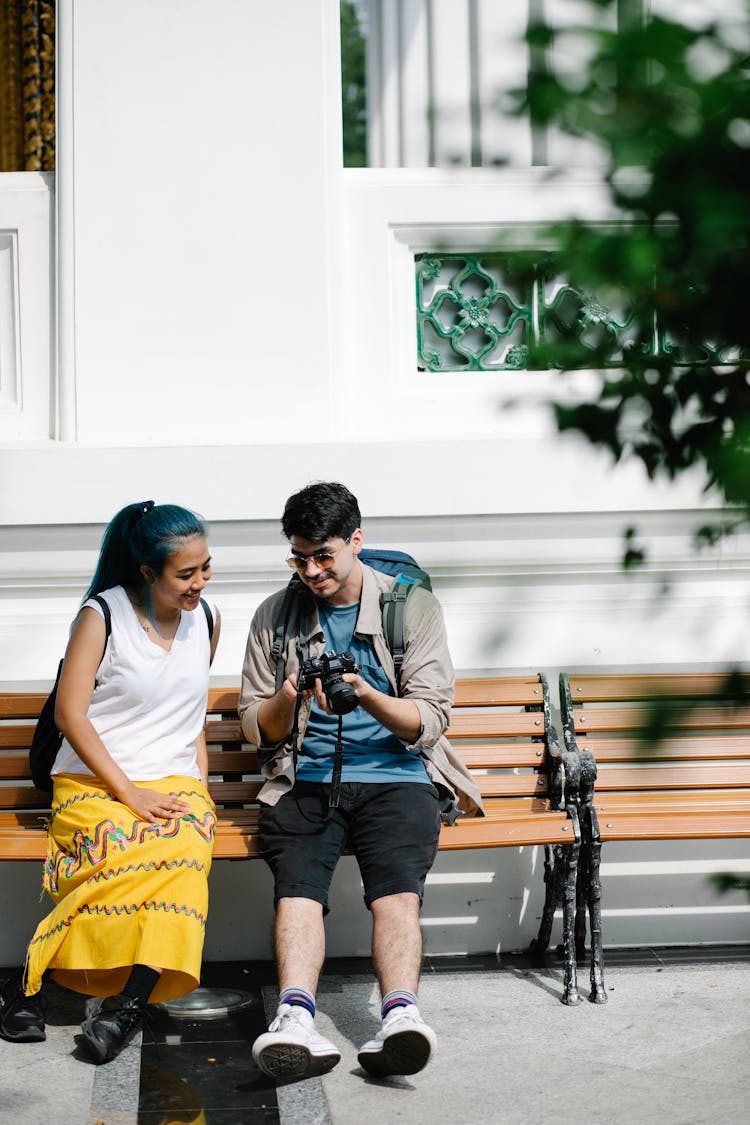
127 892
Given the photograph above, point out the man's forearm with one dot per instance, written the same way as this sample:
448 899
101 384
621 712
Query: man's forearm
400 716
275 716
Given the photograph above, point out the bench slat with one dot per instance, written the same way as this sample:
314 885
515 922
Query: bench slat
679 718
596 687
16 737
499 832
707 747
499 691
22 705
15 767
670 798
673 777
530 723
687 824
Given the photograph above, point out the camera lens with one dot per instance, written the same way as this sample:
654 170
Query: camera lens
342 698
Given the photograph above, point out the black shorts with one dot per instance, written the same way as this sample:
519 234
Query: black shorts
392 829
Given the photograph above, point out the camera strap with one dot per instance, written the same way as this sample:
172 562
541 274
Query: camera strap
295 731
338 754
338 761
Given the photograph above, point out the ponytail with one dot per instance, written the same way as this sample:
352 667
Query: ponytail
142 534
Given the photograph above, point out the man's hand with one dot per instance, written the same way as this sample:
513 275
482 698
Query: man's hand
400 716
275 715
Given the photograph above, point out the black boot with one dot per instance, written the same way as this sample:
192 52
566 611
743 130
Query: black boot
21 1017
110 1024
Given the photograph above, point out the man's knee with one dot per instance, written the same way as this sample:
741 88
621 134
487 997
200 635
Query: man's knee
402 904
298 906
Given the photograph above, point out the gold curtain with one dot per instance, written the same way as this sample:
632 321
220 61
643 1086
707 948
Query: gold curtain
27 85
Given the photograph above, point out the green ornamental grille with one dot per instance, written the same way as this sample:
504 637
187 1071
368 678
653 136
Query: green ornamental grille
489 312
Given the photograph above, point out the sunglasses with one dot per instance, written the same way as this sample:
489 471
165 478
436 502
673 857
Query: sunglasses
322 559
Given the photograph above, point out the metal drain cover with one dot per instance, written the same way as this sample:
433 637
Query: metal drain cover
207 1003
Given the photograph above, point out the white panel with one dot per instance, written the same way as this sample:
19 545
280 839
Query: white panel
10 359
503 67
452 82
414 83
205 155
568 57
26 294
391 215
390 83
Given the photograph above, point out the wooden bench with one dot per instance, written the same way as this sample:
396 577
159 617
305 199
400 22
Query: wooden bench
501 726
672 755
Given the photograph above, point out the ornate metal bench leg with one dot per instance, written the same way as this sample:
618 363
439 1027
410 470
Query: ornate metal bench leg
570 973
598 993
582 900
540 944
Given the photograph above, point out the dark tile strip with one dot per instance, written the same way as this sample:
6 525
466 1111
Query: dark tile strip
114 1096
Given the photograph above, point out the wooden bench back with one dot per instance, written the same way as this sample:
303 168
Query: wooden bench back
672 752
500 726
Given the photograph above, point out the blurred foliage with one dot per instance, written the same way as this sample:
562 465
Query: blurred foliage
353 95
668 107
726 881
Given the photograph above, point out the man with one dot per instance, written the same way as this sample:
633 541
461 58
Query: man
379 794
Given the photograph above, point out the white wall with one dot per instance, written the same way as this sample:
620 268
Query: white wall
203 139
521 591
478 902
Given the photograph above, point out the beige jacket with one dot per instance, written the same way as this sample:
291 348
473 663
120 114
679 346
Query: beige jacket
427 679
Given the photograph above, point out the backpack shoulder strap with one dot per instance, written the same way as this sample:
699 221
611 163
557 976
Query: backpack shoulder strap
393 607
287 625
107 617
209 619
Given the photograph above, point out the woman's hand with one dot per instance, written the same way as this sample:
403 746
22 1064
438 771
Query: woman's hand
150 805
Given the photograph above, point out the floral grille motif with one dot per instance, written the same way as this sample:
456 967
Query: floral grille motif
471 313
489 312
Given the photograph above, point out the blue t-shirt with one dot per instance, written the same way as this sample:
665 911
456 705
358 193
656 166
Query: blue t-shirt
370 752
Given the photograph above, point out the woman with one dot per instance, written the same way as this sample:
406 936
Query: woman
131 829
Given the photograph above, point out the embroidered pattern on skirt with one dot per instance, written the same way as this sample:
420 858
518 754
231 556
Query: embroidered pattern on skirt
127 891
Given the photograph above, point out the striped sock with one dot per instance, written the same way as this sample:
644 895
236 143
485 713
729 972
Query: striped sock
299 996
399 998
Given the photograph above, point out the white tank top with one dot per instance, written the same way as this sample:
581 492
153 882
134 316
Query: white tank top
149 705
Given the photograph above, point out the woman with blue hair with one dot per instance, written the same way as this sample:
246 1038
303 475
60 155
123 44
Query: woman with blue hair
131 829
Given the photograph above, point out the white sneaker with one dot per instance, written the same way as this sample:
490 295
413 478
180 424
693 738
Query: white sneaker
403 1045
292 1048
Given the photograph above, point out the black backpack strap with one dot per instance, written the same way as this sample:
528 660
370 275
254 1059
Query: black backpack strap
107 615
107 622
107 619
209 619
393 606
288 625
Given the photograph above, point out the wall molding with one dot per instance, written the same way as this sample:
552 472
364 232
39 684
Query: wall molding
540 591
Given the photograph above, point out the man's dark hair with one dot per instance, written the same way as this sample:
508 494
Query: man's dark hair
323 510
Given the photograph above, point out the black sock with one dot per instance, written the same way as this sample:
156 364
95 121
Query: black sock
141 983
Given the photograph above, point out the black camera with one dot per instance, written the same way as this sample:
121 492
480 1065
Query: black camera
342 698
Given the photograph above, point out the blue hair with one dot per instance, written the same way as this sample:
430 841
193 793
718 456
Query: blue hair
139 535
